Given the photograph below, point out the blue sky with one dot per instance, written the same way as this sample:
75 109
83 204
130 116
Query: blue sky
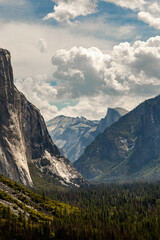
98 54
35 11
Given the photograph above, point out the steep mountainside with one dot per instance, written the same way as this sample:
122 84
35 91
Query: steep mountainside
128 150
73 135
113 115
24 136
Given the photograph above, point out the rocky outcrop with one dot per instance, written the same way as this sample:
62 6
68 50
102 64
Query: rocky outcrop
112 116
128 150
24 136
73 135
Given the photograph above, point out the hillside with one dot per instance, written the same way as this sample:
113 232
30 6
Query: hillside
119 212
27 215
128 150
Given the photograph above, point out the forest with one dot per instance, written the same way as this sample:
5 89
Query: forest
95 212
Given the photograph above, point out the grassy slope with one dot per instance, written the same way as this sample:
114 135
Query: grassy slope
34 208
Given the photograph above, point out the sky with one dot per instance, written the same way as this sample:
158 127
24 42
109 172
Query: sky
79 57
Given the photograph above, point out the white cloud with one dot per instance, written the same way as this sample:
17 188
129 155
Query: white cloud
148 11
96 79
151 15
40 93
21 40
96 107
92 76
87 72
134 4
67 10
154 8
79 71
98 27
149 19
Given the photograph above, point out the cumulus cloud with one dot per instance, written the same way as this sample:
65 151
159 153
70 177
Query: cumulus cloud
149 19
127 68
78 71
151 15
67 10
96 79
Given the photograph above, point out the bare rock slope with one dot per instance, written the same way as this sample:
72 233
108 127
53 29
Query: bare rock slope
24 137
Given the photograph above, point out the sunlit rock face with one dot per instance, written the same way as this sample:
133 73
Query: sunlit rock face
72 135
24 136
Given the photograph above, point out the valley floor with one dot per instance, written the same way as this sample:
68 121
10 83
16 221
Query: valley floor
97 212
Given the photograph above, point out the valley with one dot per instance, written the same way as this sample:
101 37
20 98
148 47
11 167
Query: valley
111 211
111 192
79 119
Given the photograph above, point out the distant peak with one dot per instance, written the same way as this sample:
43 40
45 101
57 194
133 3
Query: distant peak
6 76
82 118
2 50
121 111
117 109
60 116
5 53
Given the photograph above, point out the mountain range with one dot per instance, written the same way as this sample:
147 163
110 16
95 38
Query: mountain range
128 150
73 135
121 147
25 140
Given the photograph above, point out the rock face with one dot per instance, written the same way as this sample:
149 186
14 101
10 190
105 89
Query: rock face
112 116
24 136
128 150
73 135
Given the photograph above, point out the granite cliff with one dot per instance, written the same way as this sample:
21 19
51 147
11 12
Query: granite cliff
24 136
112 116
